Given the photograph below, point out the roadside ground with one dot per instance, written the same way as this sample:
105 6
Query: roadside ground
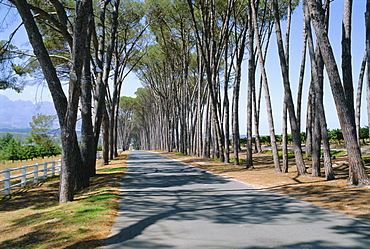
336 194
33 219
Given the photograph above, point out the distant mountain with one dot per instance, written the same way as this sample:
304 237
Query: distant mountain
18 114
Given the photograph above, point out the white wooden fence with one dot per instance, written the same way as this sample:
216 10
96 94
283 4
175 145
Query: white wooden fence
26 175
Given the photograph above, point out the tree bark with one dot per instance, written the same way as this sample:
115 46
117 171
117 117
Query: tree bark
359 97
66 110
267 92
343 105
288 95
251 83
88 151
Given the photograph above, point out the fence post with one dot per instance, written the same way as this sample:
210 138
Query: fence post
7 182
24 173
59 166
45 170
35 173
53 168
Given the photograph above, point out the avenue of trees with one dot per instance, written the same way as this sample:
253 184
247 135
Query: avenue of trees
191 72
188 54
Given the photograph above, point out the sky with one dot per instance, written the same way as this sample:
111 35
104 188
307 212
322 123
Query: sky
38 93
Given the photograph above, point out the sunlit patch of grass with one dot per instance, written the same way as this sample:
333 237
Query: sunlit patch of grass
82 223
337 152
114 169
180 154
16 164
240 160
290 155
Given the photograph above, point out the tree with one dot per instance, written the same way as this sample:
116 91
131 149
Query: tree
267 91
40 127
11 73
4 140
66 108
343 102
288 94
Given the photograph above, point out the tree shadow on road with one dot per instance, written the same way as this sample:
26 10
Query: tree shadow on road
160 191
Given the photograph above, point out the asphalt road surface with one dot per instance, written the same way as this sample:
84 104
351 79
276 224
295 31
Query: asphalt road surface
168 204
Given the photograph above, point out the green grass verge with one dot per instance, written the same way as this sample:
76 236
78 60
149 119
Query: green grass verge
180 154
35 219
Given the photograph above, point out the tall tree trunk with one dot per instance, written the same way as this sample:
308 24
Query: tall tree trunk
105 138
88 152
301 74
346 53
345 114
66 110
239 55
288 95
367 38
235 115
104 60
267 92
226 109
309 122
251 83
358 98
285 166
207 132
316 141
285 130
317 86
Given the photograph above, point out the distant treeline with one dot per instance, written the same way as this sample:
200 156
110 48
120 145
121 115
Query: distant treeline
13 150
14 130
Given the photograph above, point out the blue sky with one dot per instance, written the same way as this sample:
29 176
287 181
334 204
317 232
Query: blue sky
41 93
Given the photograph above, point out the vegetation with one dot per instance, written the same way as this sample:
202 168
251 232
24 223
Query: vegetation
188 56
33 219
13 150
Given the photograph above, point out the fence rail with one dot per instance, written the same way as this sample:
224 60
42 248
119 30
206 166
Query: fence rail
25 175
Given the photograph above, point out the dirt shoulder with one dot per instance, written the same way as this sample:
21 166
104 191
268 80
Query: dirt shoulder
335 194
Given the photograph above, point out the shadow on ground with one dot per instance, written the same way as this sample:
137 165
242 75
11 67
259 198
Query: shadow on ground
157 190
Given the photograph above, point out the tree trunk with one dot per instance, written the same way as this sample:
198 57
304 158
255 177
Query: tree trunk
235 115
309 122
88 152
66 111
316 141
358 98
267 92
251 83
317 86
288 95
301 75
367 38
285 166
345 114
105 138
346 54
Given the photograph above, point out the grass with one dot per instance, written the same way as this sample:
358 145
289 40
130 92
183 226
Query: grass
34 219
240 160
333 153
11 165
180 154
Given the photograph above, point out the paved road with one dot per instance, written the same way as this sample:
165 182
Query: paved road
167 204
